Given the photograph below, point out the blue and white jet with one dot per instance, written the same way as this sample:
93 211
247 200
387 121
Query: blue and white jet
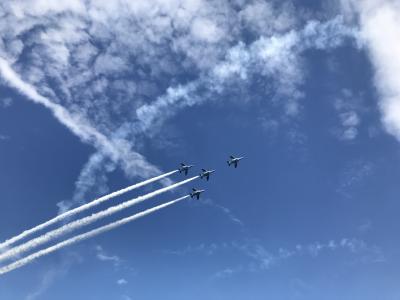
196 193
185 168
234 160
206 174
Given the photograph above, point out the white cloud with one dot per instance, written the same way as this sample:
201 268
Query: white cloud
23 8
265 259
226 211
380 30
122 281
190 249
228 272
118 149
257 258
92 180
276 58
51 275
103 256
354 174
6 102
109 64
262 17
205 30
4 137
350 133
75 123
365 226
107 69
350 109
349 121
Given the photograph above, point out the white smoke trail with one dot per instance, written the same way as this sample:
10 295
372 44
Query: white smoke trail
84 236
16 251
82 208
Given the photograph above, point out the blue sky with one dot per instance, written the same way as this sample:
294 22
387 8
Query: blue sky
97 96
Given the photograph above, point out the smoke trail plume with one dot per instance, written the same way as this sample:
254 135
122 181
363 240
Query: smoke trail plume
82 208
85 221
26 260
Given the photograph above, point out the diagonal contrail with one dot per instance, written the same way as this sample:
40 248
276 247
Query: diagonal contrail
85 221
26 260
82 208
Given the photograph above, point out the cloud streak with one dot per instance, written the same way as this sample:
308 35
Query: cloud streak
82 208
74 123
18 250
85 236
258 258
103 256
102 64
117 149
276 57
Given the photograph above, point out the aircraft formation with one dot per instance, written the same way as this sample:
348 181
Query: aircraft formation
13 249
184 168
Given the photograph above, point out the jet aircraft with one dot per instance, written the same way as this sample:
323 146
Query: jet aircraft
206 174
196 193
185 168
234 160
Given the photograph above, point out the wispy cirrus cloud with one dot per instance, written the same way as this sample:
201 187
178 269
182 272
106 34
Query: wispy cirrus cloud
103 256
114 72
275 57
122 281
115 150
349 108
257 258
353 175
265 259
6 102
4 137
365 226
77 123
207 249
52 275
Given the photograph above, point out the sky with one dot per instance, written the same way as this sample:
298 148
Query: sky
99 95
